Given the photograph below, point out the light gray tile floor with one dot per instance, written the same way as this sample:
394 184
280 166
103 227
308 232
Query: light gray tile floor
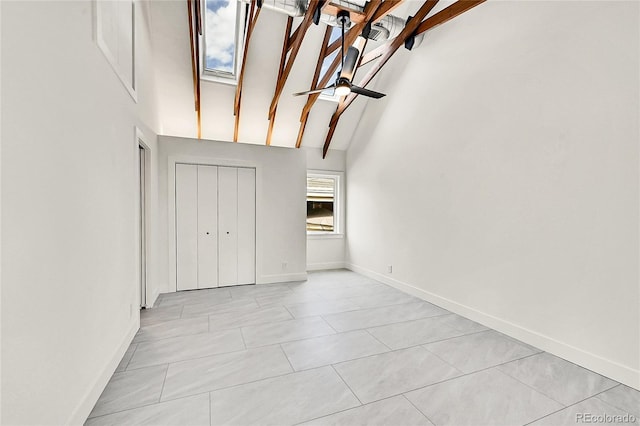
340 349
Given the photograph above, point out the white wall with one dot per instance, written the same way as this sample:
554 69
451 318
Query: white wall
326 252
500 177
280 202
69 221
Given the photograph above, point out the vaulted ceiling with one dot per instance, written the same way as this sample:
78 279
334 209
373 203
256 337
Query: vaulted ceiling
267 112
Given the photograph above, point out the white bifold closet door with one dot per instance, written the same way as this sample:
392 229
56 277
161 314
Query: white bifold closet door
207 226
228 225
237 225
215 226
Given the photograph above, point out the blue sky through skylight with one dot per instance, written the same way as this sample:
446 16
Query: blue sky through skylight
336 33
220 22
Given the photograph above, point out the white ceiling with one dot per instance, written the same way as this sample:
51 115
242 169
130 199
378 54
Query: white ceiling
175 87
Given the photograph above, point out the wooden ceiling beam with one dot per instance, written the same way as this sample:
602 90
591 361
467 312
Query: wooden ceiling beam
391 48
254 12
447 14
314 82
193 9
295 48
350 37
292 38
439 18
356 15
415 26
283 57
374 11
381 12
374 14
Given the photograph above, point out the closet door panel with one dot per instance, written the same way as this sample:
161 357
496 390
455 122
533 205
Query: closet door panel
246 226
207 226
186 227
228 226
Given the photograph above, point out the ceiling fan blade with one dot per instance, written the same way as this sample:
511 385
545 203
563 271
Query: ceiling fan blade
367 92
350 63
309 92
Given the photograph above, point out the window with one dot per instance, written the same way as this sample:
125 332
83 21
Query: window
323 203
222 39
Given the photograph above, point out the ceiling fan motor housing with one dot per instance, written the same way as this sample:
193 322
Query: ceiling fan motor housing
344 18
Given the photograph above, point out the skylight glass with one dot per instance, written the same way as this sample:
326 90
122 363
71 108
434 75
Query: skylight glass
328 94
221 34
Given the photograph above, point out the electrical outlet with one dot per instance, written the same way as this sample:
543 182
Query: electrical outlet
284 266
390 269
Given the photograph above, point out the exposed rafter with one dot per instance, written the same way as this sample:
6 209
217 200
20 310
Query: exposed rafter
447 14
314 82
294 48
383 10
356 15
283 57
415 26
374 10
254 12
195 31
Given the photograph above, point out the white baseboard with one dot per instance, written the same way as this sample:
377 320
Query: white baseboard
325 265
82 411
614 370
282 278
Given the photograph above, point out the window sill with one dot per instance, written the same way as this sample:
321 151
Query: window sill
327 236
222 80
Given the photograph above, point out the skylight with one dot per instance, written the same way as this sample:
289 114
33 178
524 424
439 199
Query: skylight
221 38
328 94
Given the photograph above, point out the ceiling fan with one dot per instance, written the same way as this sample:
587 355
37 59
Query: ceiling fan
343 85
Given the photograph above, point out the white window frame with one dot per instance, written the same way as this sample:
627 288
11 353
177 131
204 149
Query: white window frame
338 204
222 77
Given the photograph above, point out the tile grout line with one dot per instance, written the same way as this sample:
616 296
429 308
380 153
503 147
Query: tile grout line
378 340
147 405
531 387
391 323
245 383
287 357
312 337
615 406
242 337
347 385
576 403
330 326
444 380
129 362
419 410
345 410
442 359
287 309
166 372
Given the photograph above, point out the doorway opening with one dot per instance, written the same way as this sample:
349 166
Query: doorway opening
143 191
